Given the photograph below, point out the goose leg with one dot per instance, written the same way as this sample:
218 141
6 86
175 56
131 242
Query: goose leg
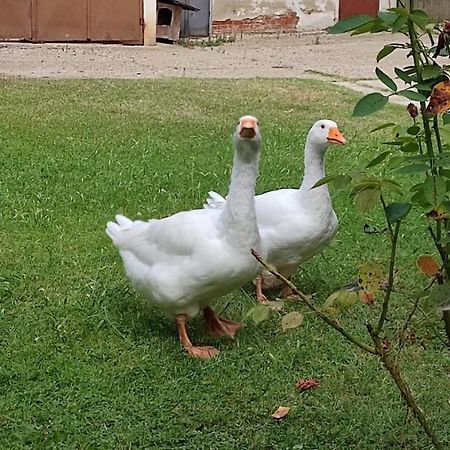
288 293
196 352
259 293
219 326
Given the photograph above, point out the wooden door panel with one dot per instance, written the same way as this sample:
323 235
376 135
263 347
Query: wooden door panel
60 20
116 20
15 19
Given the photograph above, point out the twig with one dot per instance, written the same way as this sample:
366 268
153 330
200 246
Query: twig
394 369
329 320
405 326
390 285
431 324
391 231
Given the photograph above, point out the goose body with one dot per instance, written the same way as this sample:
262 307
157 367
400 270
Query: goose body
183 262
295 224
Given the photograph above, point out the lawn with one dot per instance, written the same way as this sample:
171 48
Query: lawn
85 363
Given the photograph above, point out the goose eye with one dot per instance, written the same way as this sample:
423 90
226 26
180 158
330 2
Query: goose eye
322 126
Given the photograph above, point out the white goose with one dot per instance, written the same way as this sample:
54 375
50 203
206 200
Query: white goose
183 262
295 224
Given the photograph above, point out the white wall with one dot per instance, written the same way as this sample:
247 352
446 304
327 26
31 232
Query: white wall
313 14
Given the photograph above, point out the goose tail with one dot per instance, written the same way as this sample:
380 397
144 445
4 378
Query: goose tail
214 201
114 229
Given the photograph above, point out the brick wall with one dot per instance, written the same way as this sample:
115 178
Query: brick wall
277 23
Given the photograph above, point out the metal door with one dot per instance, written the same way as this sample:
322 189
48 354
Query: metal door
116 20
15 19
349 8
60 20
196 23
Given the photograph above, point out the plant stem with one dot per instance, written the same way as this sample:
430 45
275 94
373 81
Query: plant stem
391 231
390 285
437 134
405 326
394 369
329 320
446 319
418 67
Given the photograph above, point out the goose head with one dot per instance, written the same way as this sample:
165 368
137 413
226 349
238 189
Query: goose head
324 133
247 137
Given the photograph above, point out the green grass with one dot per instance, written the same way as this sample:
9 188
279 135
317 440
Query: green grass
85 363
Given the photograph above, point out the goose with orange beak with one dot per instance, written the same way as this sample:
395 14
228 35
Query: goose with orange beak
296 224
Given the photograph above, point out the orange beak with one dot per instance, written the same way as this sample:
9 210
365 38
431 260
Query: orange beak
248 129
336 137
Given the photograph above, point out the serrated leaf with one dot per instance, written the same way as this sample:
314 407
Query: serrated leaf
370 104
412 95
291 320
428 265
349 24
385 51
379 159
365 200
403 75
434 190
397 211
383 126
386 79
431 71
259 313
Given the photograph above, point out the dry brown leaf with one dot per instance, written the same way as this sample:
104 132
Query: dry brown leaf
366 297
307 383
281 412
428 265
440 98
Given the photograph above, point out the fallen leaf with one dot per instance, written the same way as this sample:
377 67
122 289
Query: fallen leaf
276 306
368 298
291 320
307 383
259 313
281 412
428 265
340 301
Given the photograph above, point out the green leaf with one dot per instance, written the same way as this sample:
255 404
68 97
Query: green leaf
384 125
392 186
385 79
413 168
414 130
399 23
434 189
325 180
291 320
419 199
341 182
401 11
397 211
403 75
446 118
259 313
388 17
431 71
340 301
349 24
410 147
379 159
365 184
385 51
440 295
420 18
365 200
412 95
365 28
370 104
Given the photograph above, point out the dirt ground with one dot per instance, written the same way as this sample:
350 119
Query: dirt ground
315 55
